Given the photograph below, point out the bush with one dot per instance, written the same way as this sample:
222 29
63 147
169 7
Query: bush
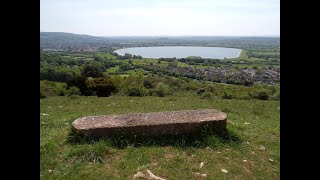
136 91
162 89
190 86
134 85
275 97
92 70
211 88
49 88
73 91
117 81
207 95
61 90
200 91
148 83
227 95
42 95
80 82
260 94
103 86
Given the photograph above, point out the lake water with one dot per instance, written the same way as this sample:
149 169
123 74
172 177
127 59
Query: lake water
181 52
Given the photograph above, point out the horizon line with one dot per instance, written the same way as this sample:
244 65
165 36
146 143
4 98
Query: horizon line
164 35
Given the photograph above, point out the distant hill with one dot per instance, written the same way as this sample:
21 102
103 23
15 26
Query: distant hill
61 41
65 41
68 37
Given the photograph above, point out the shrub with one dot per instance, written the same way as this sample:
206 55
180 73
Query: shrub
207 95
136 91
148 83
134 85
211 88
260 94
73 91
49 88
92 70
61 90
162 89
103 86
42 95
80 82
190 86
227 95
275 97
117 81
200 91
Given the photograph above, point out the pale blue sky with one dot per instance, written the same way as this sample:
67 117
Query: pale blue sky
161 17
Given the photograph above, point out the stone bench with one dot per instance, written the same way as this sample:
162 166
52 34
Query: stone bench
154 123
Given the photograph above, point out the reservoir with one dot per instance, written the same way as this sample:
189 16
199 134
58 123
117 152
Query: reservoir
181 52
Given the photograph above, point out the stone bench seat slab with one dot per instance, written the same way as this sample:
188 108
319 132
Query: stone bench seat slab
153 123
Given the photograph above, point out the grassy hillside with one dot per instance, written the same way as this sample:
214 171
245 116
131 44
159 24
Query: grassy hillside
253 124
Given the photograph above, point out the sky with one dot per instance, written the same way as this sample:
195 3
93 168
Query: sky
161 17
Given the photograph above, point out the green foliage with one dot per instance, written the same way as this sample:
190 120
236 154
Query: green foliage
161 89
80 82
42 95
134 85
260 94
49 88
275 97
207 95
136 91
200 91
124 67
227 95
148 83
174 63
57 73
190 86
118 81
103 86
73 91
91 70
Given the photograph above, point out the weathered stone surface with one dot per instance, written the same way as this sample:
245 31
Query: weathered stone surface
155 123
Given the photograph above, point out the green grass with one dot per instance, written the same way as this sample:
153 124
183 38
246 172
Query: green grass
174 160
266 52
113 69
146 61
243 55
106 55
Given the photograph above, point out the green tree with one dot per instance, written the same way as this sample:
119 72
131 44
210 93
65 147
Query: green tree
79 82
174 63
103 86
91 70
124 67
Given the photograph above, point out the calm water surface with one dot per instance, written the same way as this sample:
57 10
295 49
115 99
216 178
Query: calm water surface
182 52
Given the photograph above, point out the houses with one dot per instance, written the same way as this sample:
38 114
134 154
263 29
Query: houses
225 74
